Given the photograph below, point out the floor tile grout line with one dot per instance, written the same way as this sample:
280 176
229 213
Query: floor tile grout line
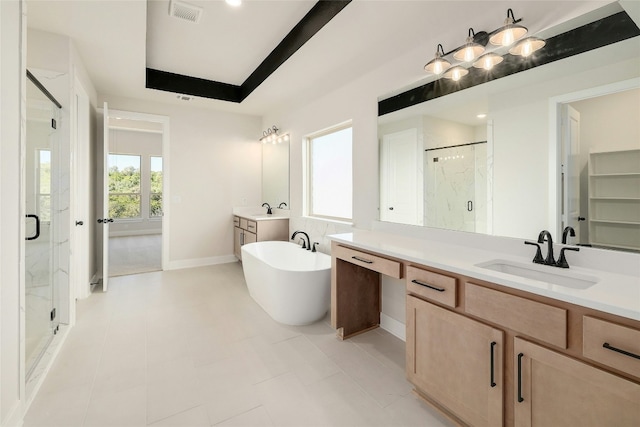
238 414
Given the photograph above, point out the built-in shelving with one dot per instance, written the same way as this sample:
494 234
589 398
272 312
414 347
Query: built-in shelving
614 199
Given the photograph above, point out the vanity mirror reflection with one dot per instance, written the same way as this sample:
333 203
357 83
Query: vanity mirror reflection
511 157
275 174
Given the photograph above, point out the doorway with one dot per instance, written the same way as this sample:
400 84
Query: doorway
133 229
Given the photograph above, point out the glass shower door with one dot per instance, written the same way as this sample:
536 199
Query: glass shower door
41 184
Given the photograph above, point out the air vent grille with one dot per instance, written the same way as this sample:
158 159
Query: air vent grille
186 11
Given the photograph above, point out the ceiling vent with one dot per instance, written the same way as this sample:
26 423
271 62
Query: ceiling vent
186 11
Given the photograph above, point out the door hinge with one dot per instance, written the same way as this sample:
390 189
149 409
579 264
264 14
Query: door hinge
53 314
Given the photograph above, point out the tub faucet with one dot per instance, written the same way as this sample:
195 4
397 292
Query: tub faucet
268 208
544 234
568 231
308 243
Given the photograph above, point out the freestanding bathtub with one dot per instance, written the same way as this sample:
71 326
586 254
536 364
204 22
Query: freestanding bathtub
291 284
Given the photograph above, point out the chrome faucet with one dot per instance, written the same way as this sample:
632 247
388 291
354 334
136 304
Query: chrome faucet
268 208
545 235
306 246
568 231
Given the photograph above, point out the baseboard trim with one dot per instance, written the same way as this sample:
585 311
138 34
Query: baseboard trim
393 326
126 233
201 262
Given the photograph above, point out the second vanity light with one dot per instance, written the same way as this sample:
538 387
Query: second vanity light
271 135
510 34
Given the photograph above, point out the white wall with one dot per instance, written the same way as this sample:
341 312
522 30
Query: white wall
12 83
145 144
214 164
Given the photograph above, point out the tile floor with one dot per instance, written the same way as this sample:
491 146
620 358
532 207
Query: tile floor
191 348
135 254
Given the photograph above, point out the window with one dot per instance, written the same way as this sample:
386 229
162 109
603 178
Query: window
329 175
124 186
44 185
155 196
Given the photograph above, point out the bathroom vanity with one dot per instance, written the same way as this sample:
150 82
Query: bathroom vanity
491 348
249 228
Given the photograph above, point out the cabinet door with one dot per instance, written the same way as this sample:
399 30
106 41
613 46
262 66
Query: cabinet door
237 242
249 237
555 390
456 361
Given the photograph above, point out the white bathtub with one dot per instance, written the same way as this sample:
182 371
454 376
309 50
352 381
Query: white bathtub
291 284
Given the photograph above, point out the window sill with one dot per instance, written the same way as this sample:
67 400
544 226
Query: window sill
329 220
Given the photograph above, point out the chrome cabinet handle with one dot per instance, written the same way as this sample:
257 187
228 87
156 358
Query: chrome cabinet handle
428 286
619 350
366 261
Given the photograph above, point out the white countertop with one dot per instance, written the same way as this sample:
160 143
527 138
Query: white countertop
260 214
613 293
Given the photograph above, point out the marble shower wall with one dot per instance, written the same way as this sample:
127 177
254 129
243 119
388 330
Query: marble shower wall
456 188
318 230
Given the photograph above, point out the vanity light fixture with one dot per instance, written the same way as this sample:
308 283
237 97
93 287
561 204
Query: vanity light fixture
509 33
271 135
438 65
470 50
488 60
456 73
526 47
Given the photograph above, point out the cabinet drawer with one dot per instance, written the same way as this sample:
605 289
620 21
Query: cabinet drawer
535 319
432 286
371 262
613 345
243 223
252 226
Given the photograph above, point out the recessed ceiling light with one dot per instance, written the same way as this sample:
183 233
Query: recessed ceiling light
234 3
481 116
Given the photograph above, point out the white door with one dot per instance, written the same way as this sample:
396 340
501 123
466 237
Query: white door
401 193
81 195
571 171
105 220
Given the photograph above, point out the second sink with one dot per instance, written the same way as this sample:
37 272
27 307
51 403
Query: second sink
541 273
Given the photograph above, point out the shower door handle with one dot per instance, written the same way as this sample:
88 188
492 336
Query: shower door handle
35 236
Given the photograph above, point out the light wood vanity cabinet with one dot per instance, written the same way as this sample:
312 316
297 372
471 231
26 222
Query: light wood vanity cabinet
540 379
455 362
549 363
557 390
248 231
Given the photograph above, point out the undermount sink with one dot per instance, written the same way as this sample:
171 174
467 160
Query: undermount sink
542 273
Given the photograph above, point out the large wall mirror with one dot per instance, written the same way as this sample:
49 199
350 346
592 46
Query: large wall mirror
555 145
275 174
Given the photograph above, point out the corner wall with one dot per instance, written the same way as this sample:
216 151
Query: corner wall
12 81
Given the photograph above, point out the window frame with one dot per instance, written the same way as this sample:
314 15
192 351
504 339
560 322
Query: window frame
308 176
151 193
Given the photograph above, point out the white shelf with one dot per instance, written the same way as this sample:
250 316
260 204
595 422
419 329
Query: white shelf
614 199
